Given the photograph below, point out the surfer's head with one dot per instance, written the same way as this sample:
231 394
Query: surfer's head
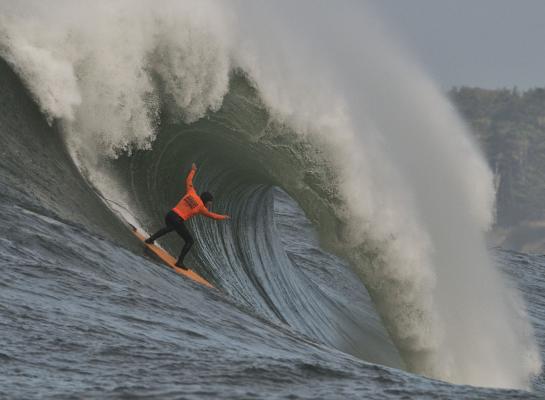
206 197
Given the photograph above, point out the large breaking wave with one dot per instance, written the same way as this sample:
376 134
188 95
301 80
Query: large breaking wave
315 100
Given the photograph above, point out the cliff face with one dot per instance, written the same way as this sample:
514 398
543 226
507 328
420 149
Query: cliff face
511 129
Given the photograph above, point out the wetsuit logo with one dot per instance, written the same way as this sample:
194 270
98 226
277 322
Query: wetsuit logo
191 202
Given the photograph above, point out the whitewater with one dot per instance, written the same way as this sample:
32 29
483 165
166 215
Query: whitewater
355 263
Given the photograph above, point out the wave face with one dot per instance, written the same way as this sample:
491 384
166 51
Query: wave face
350 129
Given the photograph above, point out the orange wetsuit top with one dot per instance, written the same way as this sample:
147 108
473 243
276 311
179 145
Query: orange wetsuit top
191 204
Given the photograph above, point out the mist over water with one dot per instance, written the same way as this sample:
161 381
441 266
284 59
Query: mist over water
406 196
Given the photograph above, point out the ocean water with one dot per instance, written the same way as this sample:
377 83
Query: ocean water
355 263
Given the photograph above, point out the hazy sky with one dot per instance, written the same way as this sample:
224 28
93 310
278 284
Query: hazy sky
487 43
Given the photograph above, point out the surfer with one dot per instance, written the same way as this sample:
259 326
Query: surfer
190 205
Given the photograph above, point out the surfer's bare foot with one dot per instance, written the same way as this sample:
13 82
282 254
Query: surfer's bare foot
149 241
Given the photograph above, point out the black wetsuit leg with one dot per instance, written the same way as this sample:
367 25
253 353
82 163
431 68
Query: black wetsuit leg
178 224
170 225
175 222
158 234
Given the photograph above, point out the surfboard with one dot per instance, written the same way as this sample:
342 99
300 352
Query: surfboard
170 261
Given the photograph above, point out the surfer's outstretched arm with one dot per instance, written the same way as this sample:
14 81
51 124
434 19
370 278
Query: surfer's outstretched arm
215 216
189 179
